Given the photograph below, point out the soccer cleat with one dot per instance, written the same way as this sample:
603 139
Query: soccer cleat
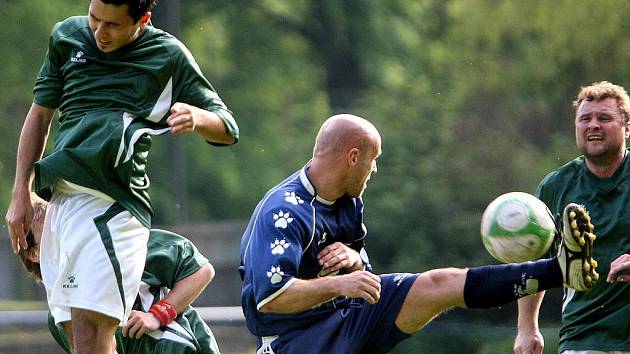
576 249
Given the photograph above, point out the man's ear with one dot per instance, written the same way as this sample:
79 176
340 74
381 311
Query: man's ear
353 156
144 20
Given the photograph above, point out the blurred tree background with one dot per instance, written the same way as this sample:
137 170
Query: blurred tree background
472 97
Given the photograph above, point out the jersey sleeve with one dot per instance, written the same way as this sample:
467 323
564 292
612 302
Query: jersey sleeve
173 261
49 83
274 253
193 88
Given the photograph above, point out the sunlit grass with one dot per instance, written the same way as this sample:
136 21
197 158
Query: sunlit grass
16 305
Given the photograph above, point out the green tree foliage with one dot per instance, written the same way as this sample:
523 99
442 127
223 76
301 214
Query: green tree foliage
472 98
24 41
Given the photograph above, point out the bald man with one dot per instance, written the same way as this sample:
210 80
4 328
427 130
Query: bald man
307 281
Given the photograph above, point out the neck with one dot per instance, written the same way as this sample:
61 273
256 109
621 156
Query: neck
324 179
605 169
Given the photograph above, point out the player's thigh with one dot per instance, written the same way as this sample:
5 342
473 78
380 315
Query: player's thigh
102 251
593 352
371 328
432 293
91 324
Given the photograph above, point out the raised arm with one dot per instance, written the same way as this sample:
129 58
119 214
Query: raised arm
186 118
30 149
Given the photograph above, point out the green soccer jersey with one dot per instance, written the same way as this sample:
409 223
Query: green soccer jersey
598 319
110 104
170 258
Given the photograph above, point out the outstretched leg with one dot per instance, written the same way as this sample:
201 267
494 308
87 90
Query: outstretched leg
438 290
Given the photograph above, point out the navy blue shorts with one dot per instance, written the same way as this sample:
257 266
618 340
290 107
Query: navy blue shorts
360 328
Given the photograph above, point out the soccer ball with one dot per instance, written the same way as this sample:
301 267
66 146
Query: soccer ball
517 227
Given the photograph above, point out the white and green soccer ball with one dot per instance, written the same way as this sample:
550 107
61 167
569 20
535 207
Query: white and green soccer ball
517 227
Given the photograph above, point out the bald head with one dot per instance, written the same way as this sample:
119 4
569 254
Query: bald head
344 157
343 132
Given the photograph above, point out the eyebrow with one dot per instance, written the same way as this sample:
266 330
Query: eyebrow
107 22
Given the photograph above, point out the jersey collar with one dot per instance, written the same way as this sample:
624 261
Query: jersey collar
310 188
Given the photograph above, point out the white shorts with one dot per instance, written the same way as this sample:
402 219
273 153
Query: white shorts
92 254
591 352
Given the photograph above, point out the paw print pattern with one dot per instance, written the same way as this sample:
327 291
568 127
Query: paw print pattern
282 219
292 198
278 246
275 275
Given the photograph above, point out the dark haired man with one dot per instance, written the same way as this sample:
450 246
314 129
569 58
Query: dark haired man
175 273
116 81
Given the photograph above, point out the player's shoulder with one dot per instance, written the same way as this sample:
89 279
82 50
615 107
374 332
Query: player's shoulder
163 238
288 199
70 26
289 193
568 170
167 41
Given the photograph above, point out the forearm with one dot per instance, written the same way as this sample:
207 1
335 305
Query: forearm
212 128
31 146
528 308
187 290
303 295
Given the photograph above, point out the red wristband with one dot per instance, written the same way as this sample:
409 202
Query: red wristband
164 312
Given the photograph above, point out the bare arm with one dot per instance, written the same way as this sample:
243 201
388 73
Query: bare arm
183 294
187 290
186 118
529 339
30 149
305 294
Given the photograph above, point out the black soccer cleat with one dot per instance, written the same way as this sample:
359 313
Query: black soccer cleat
575 254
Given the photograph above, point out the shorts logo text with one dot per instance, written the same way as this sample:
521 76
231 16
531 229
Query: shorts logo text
70 284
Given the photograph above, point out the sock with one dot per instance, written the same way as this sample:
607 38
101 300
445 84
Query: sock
496 285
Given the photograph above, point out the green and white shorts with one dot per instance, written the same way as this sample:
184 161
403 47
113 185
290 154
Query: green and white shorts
92 254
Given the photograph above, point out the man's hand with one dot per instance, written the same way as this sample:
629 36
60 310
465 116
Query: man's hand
339 256
529 342
18 219
619 269
183 118
360 284
140 323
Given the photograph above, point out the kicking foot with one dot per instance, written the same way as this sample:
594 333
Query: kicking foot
576 249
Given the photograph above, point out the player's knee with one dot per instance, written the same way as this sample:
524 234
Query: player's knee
444 287
444 277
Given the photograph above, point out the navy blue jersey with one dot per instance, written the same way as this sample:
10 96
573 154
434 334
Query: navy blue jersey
287 230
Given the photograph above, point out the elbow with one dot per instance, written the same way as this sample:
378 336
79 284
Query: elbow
207 273
268 308
265 309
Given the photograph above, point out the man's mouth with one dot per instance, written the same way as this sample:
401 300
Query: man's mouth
594 138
